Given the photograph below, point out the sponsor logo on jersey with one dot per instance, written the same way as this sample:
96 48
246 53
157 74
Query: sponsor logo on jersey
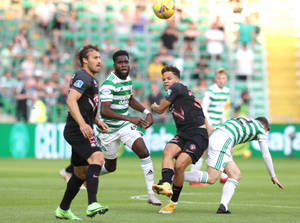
192 147
78 83
105 91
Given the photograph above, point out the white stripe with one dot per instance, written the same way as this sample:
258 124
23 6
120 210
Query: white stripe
117 106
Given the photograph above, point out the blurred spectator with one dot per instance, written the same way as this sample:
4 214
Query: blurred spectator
18 47
108 48
169 37
6 54
215 41
131 48
201 69
164 57
38 110
236 6
154 69
124 20
199 89
243 108
139 20
7 84
60 22
155 96
246 32
46 67
19 81
28 65
22 96
135 72
244 62
190 35
39 83
55 55
45 12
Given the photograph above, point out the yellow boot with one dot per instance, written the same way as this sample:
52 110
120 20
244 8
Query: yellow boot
169 209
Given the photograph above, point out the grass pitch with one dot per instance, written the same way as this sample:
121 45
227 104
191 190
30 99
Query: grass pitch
31 190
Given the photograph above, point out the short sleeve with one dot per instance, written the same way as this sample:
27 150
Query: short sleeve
173 92
80 83
107 91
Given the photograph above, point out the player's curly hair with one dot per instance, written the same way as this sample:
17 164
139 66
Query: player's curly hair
120 53
83 53
172 69
264 121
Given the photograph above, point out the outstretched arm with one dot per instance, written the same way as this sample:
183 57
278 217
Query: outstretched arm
136 105
268 161
162 107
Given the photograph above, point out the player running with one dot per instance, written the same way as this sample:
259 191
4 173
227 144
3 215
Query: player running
116 97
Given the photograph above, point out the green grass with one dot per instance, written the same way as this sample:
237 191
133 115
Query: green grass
30 191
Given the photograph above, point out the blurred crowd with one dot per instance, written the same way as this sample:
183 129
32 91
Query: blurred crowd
40 38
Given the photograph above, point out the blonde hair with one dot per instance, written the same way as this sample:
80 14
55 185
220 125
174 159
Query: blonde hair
220 71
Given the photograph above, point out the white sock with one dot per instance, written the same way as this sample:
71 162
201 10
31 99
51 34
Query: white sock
147 168
196 176
104 170
197 165
228 191
223 175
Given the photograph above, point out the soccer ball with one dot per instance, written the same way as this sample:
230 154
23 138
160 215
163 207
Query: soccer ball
164 9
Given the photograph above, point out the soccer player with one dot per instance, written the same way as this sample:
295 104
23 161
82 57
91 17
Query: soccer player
191 139
213 106
87 157
116 97
221 141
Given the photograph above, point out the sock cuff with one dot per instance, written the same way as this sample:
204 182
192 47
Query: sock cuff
233 181
146 160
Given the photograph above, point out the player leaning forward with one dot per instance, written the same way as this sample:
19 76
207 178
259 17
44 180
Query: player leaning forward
221 142
191 139
116 97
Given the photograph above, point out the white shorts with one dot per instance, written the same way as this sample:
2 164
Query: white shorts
110 142
219 150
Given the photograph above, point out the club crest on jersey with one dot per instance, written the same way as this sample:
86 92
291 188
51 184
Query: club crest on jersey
78 83
192 147
169 92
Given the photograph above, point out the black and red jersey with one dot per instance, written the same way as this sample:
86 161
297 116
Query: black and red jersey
86 85
186 110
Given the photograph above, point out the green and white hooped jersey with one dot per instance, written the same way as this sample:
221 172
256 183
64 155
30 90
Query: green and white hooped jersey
214 103
117 91
244 129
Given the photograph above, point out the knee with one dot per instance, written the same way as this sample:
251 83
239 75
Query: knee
179 168
235 175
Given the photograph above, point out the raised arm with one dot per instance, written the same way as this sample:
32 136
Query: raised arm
268 161
72 104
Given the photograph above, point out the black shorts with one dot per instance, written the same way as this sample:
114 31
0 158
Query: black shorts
82 148
193 143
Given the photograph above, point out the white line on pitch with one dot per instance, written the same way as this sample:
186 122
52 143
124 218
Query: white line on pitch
145 196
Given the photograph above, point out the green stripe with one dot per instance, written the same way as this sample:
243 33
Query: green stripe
233 181
243 128
213 118
117 85
229 129
127 92
218 93
110 77
116 101
221 156
215 112
217 99
237 130
250 133
117 128
256 129
111 119
119 110
146 161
